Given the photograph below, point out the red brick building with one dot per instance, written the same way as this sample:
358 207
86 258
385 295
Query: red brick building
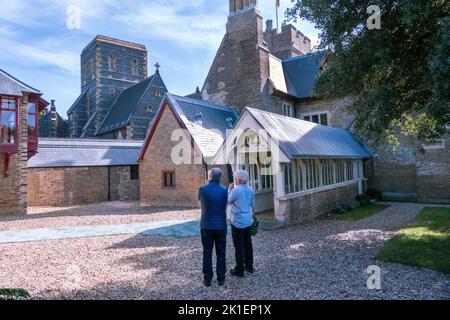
20 106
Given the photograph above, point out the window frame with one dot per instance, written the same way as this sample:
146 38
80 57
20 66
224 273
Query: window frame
10 147
173 180
288 110
319 114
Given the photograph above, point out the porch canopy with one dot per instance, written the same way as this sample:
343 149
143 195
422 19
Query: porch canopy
290 155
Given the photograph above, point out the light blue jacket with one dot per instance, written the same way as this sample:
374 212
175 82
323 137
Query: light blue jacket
241 200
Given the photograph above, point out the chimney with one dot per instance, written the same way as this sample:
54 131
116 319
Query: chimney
52 106
269 25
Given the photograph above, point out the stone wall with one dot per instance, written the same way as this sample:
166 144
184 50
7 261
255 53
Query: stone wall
157 159
80 185
13 188
309 206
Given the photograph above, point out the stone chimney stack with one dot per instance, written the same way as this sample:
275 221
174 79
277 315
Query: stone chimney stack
238 6
269 25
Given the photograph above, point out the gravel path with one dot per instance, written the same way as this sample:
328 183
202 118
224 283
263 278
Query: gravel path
95 214
323 260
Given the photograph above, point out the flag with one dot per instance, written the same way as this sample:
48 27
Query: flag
277 2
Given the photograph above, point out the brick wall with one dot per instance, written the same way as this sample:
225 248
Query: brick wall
189 177
13 189
79 185
307 207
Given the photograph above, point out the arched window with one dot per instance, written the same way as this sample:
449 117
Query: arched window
111 63
135 67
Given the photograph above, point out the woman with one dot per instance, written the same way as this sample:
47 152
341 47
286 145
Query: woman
241 198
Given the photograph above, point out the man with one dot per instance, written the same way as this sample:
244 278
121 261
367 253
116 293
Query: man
241 198
213 198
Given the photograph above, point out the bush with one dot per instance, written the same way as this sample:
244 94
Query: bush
374 194
14 294
363 199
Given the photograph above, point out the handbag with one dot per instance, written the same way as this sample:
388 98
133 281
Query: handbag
255 226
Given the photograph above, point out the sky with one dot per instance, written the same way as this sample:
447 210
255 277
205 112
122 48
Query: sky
41 43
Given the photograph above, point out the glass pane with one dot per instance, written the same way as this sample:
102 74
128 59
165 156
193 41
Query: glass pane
315 118
31 108
31 127
324 119
9 104
8 126
307 118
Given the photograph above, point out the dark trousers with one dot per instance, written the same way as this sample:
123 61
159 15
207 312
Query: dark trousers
211 239
242 240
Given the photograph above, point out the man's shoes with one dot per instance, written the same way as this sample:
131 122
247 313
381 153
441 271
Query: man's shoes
236 274
207 283
221 283
249 270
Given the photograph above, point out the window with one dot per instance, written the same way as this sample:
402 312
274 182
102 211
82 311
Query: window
134 173
135 67
8 121
288 110
112 63
32 122
319 118
158 92
168 179
439 144
308 174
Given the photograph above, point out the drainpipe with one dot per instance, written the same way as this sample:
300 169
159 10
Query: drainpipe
109 183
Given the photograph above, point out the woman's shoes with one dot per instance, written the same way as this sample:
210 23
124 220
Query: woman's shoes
236 274
249 270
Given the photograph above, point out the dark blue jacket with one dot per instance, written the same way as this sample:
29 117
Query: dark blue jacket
213 197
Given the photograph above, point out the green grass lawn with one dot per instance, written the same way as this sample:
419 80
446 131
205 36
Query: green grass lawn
425 243
362 212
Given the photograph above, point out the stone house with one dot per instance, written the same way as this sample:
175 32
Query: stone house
275 71
69 172
20 105
117 99
182 140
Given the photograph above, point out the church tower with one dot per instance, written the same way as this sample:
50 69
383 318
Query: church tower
240 69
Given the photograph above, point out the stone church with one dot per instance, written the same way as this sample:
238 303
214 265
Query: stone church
117 99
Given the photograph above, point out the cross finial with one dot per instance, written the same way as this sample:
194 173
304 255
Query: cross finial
157 65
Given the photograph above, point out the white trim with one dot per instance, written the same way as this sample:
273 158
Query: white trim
311 191
439 144
319 113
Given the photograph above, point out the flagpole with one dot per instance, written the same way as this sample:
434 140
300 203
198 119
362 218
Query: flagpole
276 5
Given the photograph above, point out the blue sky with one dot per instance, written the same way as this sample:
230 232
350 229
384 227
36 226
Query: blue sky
37 46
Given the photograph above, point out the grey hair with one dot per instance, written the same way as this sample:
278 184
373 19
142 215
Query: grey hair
215 174
241 175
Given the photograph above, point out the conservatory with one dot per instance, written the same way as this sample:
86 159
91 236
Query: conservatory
298 169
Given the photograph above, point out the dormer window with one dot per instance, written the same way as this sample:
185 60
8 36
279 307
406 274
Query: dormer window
135 67
9 124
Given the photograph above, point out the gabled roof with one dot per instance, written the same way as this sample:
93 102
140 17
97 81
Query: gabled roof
75 104
124 107
196 95
295 138
300 73
206 122
85 153
14 87
298 138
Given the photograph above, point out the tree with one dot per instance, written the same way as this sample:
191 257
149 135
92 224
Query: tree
398 75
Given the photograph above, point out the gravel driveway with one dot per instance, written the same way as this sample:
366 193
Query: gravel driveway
323 260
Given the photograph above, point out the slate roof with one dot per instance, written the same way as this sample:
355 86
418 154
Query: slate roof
124 107
85 153
14 87
207 122
75 104
196 95
298 138
300 73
